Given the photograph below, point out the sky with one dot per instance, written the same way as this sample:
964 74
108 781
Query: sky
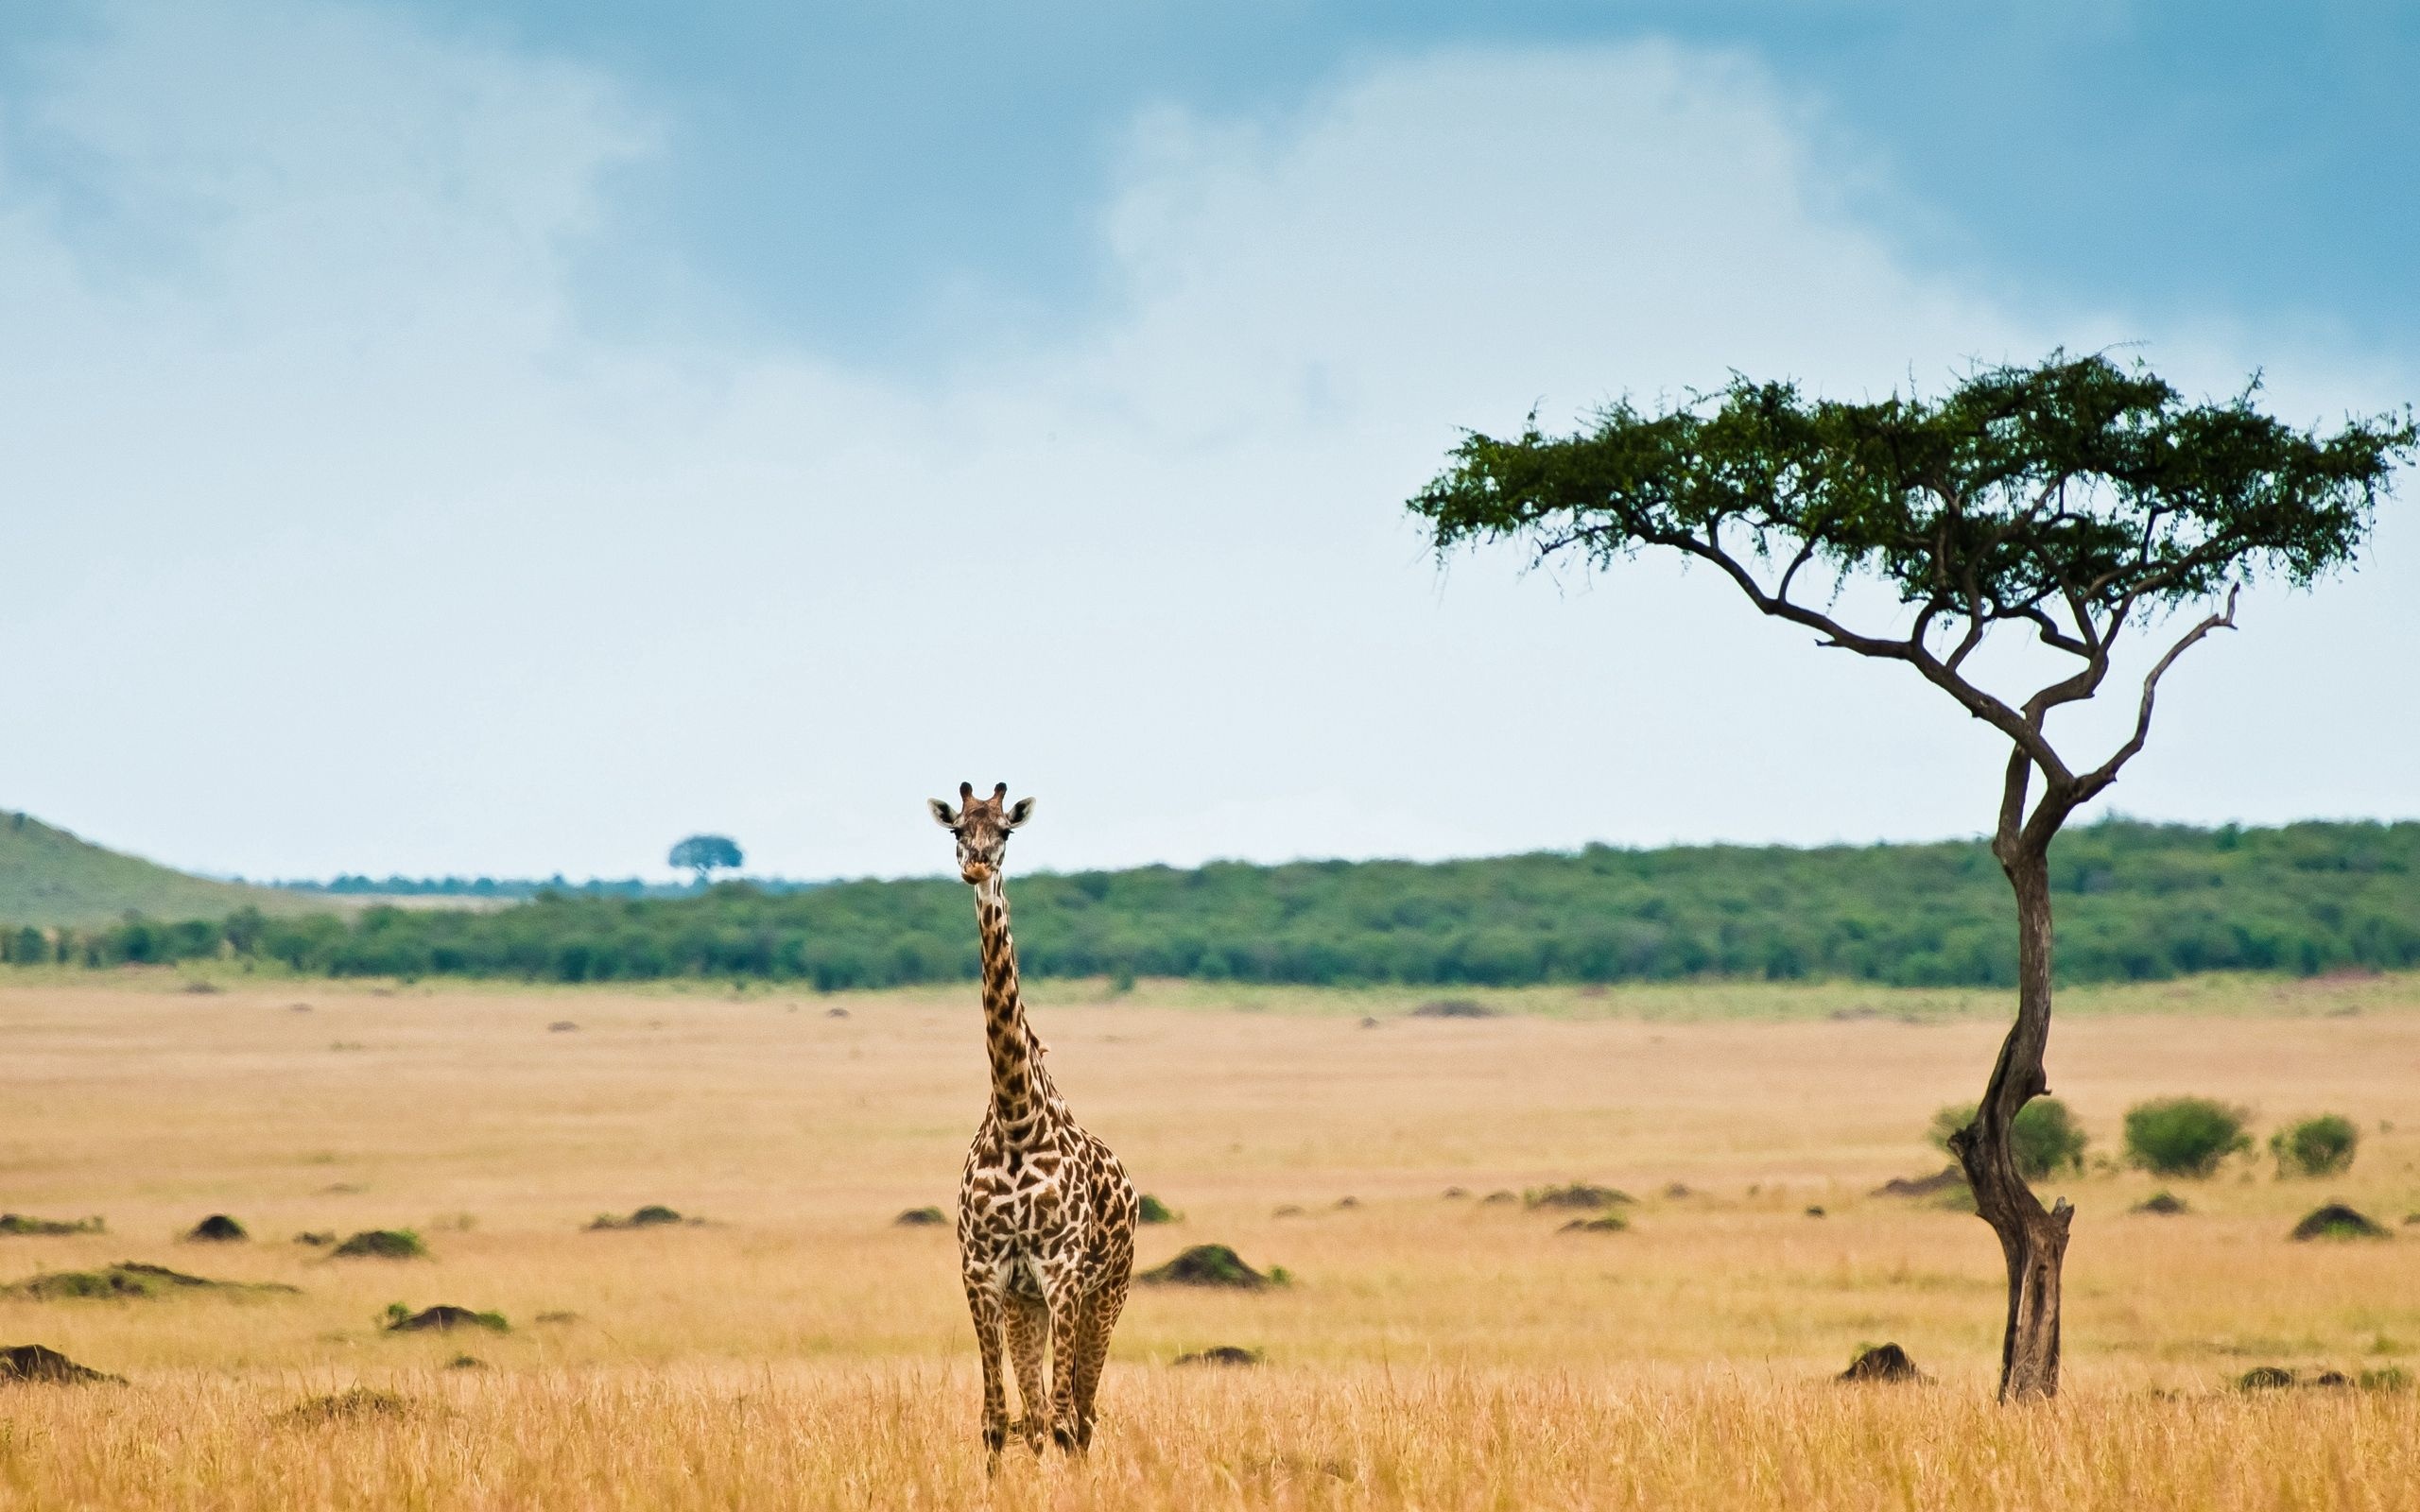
503 437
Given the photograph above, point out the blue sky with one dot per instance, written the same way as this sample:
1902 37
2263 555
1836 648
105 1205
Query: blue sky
504 436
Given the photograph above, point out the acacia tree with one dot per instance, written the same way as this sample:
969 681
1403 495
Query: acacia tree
2074 502
703 853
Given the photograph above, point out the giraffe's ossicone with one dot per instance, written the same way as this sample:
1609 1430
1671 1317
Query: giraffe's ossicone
1045 1213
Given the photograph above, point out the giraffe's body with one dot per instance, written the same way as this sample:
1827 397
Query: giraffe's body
1045 1213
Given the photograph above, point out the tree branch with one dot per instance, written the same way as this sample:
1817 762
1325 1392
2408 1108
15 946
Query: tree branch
2106 773
1982 705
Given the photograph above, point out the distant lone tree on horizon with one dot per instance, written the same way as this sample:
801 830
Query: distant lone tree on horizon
706 854
2076 502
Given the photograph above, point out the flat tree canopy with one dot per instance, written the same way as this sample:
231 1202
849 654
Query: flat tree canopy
703 853
2076 501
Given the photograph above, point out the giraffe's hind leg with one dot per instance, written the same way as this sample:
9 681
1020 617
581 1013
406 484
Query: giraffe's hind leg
1029 1332
1067 1311
1091 1351
983 1304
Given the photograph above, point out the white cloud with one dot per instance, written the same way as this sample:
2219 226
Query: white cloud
356 549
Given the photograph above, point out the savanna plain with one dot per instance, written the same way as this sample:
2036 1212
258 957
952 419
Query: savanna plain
799 1347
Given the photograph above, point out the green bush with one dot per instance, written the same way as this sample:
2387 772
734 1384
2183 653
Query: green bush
2316 1146
2185 1136
2044 1137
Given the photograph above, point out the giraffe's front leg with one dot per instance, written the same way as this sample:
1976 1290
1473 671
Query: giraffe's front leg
984 1304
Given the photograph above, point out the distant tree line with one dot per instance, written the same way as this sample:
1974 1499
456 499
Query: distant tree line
2137 900
354 885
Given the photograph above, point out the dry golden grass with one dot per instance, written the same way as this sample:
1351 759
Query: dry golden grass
1433 1352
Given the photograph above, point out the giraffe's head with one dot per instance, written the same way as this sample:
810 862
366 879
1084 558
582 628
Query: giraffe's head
982 826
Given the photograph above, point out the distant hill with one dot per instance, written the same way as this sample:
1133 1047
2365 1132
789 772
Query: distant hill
49 876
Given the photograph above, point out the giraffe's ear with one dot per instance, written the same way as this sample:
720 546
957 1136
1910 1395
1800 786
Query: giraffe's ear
942 813
1019 812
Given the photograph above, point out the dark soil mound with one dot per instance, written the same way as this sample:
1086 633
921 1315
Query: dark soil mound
563 1026
1454 1194
33 1363
17 1223
1948 1178
1680 1190
1815 1212
1453 1008
1575 1195
1348 1202
2336 1221
654 1215
218 1229
128 1277
360 1404
919 1218
2167 1204
836 1013
1222 1355
382 1243
1498 1199
1207 1265
444 1318
316 1239
1611 1223
1286 1209
1884 1362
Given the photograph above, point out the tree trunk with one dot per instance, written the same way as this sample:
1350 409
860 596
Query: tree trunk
2034 1241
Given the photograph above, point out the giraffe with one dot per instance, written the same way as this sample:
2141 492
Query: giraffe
1045 1213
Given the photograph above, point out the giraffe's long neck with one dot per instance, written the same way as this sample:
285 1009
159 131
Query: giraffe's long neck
1023 1100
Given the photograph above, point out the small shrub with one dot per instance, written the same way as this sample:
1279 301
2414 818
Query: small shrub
360 1404
1609 1222
35 1362
217 1229
1575 1195
2162 1204
2044 1138
442 1318
653 1215
1154 1210
2316 1146
1884 1362
2185 1136
1221 1354
17 1223
129 1278
2336 1221
1210 1265
383 1243
1453 1008
921 1218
